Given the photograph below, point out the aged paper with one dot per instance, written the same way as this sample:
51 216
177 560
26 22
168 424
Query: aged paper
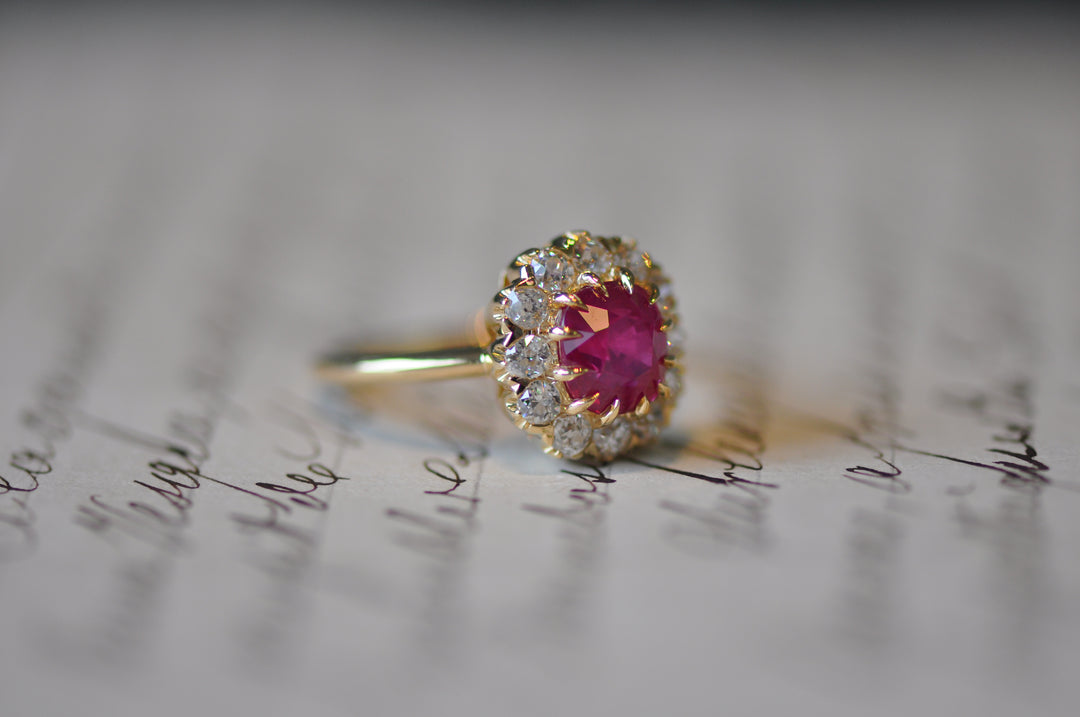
869 502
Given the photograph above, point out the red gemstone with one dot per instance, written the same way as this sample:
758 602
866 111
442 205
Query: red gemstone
621 344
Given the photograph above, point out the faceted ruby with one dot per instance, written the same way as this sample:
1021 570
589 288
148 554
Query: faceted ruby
621 344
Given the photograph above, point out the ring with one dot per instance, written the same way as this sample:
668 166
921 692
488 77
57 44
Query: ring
579 339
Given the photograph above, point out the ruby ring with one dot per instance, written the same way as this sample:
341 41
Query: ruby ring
579 339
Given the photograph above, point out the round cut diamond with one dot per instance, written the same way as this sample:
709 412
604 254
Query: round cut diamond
539 402
529 357
552 270
647 430
632 259
594 257
619 342
673 381
611 440
527 306
571 435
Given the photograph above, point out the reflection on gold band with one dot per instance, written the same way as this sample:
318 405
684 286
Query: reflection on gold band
355 368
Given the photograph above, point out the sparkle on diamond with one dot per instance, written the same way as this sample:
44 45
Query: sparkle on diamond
529 357
539 402
552 270
526 307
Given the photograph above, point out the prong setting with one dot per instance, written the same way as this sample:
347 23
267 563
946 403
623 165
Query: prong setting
611 414
581 404
535 367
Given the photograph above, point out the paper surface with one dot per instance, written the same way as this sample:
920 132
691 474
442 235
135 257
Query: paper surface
869 501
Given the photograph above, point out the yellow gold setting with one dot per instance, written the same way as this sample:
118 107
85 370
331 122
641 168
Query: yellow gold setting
537 286
518 344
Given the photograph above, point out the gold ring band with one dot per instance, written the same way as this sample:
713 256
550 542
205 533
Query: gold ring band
359 368
579 342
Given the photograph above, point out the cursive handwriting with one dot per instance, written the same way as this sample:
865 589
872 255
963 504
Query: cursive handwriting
47 421
1007 408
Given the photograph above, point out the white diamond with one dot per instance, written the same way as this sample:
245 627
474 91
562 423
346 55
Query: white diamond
528 357
647 431
572 434
552 270
593 256
539 402
613 439
633 259
673 380
527 306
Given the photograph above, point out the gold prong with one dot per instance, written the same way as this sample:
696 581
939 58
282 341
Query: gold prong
523 259
507 332
567 373
495 332
588 278
558 333
512 274
563 242
568 300
582 404
611 414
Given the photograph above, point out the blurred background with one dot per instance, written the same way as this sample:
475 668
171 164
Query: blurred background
864 207
489 127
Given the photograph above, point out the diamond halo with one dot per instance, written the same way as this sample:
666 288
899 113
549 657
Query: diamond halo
596 309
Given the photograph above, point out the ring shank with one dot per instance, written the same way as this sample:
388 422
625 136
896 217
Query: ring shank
356 368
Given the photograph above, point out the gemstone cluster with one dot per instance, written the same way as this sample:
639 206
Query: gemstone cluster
581 345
